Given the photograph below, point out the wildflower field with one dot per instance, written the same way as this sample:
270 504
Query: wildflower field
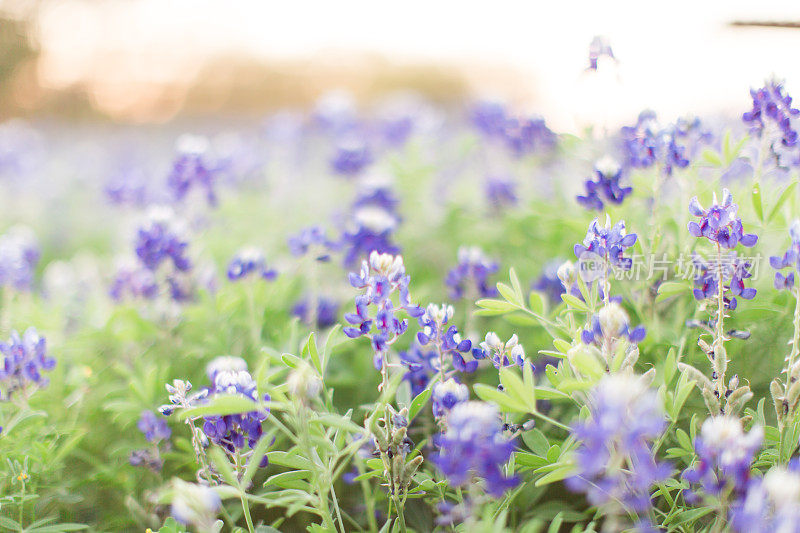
402 317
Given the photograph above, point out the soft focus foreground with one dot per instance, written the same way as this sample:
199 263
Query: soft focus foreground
402 316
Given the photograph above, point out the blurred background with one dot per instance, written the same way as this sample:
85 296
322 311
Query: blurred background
151 61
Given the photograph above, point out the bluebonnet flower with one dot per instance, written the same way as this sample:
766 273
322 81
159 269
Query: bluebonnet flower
381 277
724 455
609 325
598 48
489 117
771 105
225 363
326 313
501 354
790 259
772 503
445 340
549 282
647 143
720 222
473 446
195 504
191 169
312 238
335 112
604 186
352 156
127 186
153 428
235 431
162 239
733 269
470 277
249 261
500 191
421 365
447 395
374 220
606 245
525 136
19 255
614 445
24 360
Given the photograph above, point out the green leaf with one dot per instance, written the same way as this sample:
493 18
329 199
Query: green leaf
785 195
558 474
504 401
536 441
536 302
669 289
574 301
492 307
757 202
515 387
221 405
418 403
311 349
292 361
712 157
509 294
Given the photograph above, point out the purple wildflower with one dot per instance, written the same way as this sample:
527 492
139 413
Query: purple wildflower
510 353
772 106
446 340
470 277
447 395
614 454
381 277
421 365
604 186
473 446
720 222
161 239
191 169
790 259
24 360
19 255
724 455
249 261
326 313
154 429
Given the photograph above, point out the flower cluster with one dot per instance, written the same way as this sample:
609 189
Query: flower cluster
249 261
609 325
134 281
771 503
381 277
154 430
229 375
724 455
447 395
773 104
720 223
421 365
373 222
790 259
324 315
470 277
501 354
647 143
19 255
445 340
549 283
312 238
473 446
521 135
161 239
191 170
24 360
732 270
614 457
604 246
500 192
352 156
604 186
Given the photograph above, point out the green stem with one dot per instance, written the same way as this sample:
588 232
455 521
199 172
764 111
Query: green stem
246 509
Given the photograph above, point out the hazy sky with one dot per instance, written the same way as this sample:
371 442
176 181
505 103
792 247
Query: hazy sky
675 57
